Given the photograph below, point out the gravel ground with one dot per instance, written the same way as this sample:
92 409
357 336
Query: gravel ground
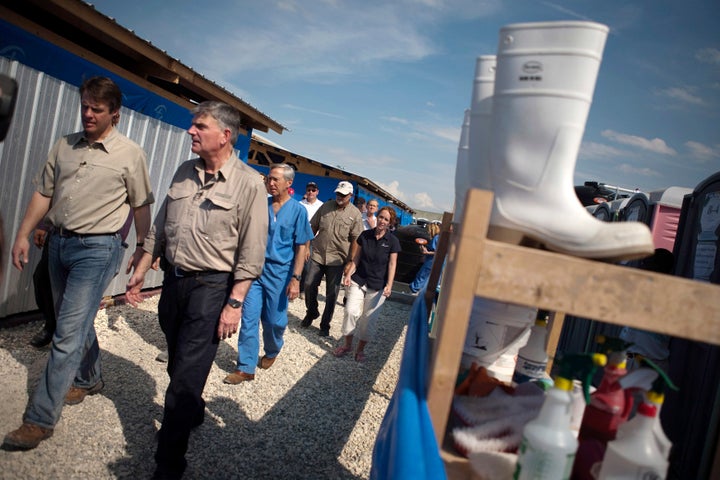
311 416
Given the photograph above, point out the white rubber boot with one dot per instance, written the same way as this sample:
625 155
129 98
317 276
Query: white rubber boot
475 173
544 82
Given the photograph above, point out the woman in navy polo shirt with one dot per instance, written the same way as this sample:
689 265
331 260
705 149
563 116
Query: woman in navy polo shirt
368 279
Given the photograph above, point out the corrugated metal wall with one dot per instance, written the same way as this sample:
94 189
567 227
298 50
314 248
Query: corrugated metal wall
47 109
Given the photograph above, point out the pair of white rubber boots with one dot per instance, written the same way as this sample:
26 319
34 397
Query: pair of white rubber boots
522 135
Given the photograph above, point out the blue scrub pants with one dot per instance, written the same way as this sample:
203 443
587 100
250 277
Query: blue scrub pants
266 302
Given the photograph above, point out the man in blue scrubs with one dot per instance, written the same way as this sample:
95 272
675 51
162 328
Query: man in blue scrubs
267 299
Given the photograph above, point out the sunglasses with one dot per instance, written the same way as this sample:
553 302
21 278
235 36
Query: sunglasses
311 189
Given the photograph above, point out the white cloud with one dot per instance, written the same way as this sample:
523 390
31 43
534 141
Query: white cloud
655 145
310 110
685 95
393 189
423 201
594 150
632 169
402 121
451 134
702 152
708 55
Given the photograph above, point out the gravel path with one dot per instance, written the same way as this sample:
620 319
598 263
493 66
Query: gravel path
311 416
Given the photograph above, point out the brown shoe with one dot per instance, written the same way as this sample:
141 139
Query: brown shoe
76 394
238 377
267 362
27 437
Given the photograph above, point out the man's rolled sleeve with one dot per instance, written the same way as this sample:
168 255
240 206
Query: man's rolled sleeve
252 234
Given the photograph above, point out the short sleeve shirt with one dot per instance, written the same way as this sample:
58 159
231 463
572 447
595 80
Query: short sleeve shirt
336 230
93 186
311 208
287 228
374 258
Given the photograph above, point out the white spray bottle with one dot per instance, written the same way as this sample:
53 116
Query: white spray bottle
547 450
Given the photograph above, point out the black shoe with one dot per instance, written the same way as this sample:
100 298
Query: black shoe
324 332
42 338
307 321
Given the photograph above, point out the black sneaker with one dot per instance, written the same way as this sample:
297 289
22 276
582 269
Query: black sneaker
324 332
307 321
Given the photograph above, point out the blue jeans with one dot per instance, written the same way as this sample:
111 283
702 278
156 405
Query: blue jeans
423 276
81 269
266 301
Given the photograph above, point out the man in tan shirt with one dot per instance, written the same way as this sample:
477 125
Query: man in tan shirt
337 224
211 233
90 183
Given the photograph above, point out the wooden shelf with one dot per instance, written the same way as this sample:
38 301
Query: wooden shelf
560 283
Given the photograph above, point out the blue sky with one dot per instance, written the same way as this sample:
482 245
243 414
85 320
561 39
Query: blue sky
380 87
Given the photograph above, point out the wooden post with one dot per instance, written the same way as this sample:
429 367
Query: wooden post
453 315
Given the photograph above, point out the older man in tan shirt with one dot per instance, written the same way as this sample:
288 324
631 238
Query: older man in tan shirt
211 233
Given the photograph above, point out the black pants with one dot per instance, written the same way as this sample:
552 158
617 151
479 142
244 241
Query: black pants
43 290
333 275
189 311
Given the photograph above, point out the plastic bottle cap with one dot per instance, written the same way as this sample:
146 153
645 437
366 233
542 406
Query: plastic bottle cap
656 397
647 409
563 384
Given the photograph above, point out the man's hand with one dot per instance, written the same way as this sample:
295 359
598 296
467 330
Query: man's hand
293 289
229 321
20 252
133 289
134 260
134 285
39 237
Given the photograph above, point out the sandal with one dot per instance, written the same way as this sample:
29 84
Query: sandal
360 357
341 351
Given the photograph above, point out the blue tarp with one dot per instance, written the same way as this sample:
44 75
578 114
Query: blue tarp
406 448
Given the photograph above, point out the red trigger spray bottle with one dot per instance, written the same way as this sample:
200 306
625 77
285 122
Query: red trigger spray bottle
609 407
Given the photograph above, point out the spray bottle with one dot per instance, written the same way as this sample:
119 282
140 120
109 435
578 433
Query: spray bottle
533 358
609 407
654 382
635 454
548 446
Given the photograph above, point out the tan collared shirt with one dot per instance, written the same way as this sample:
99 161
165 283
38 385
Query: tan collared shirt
219 225
94 186
336 231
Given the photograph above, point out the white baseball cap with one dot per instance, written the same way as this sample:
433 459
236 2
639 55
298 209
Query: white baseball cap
344 188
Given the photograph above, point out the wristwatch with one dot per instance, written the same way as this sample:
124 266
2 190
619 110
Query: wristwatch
234 303
297 277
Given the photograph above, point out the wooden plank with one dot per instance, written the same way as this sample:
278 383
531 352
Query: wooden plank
454 308
599 291
557 319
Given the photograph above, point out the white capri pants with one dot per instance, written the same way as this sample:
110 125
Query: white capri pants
362 308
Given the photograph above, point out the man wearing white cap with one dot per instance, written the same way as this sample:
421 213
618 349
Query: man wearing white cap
337 224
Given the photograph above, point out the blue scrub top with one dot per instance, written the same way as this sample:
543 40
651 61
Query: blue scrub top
290 227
